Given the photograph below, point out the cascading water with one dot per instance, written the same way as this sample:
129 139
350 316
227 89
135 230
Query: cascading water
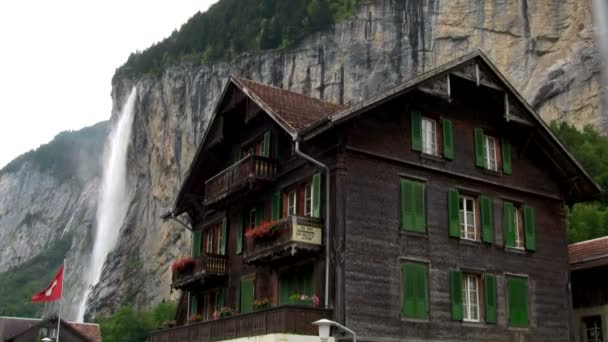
113 198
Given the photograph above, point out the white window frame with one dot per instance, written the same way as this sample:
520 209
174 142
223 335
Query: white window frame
465 225
292 202
429 136
491 153
209 247
308 199
595 329
471 297
519 229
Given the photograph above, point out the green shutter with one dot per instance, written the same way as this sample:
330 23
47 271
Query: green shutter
456 294
416 123
489 293
419 207
285 287
196 243
517 299
247 292
276 206
266 145
415 290
487 224
407 207
259 214
509 223
316 195
453 214
448 139
530 228
221 298
480 150
239 232
422 292
193 304
506 156
223 238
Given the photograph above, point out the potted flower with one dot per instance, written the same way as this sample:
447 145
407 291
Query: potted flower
263 230
225 311
260 304
303 299
182 265
196 318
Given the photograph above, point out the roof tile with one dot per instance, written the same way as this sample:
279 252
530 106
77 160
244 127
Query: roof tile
589 253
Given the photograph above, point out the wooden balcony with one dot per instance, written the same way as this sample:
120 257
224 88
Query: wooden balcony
209 270
282 319
292 235
244 174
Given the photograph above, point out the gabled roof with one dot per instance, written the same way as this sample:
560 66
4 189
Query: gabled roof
588 254
290 110
13 327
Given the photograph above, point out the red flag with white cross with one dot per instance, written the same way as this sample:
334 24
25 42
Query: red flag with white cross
53 291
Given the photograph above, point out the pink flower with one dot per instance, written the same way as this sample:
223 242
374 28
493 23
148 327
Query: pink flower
315 300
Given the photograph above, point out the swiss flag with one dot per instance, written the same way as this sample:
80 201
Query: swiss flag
53 291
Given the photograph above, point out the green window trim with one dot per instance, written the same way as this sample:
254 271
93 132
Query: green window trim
297 280
413 206
506 156
453 213
196 243
448 139
414 277
239 232
487 219
480 149
489 297
456 295
517 301
529 228
246 295
509 212
316 195
416 130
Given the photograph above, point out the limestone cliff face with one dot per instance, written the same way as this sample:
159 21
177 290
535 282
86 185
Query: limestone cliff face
545 48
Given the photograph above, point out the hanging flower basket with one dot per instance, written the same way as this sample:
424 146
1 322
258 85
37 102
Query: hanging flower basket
265 230
302 299
182 265
260 304
225 311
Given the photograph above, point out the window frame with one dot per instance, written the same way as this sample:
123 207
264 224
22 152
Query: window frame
308 196
252 218
520 234
462 199
292 208
425 121
427 271
466 297
506 278
494 141
210 239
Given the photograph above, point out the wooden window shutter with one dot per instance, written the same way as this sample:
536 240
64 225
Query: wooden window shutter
239 232
408 281
316 195
419 207
480 149
221 298
247 292
193 304
266 145
223 238
489 295
506 156
530 228
416 123
456 294
453 214
196 243
276 206
448 139
487 224
509 223
517 293
259 214
407 207
422 299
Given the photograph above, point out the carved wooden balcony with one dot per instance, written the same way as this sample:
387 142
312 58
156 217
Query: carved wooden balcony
291 236
278 320
244 174
208 271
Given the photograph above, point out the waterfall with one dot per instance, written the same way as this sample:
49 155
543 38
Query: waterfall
113 199
600 23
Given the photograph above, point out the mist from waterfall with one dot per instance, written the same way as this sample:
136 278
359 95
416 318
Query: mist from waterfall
113 199
600 23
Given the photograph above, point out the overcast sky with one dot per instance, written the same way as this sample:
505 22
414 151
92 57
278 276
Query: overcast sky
57 59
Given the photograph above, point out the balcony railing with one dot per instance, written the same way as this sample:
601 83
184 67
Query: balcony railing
247 170
282 319
207 268
291 235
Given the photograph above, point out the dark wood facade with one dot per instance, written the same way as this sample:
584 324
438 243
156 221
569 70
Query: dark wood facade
368 149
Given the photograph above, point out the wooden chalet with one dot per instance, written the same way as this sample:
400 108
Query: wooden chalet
433 211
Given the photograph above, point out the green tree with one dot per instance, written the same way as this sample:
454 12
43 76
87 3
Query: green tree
128 324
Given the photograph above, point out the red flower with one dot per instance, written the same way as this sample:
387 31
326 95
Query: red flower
264 229
182 263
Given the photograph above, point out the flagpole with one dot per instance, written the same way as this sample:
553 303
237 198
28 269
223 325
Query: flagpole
60 302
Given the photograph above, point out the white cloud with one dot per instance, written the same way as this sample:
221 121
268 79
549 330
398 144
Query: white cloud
58 57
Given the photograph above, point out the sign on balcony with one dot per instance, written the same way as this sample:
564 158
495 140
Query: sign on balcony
302 232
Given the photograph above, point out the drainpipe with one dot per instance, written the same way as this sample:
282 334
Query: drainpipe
327 212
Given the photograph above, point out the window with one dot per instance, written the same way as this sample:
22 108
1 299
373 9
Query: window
519 225
209 247
491 160
470 297
429 136
593 328
292 202
308 199
414 280
297 280
247 293
468 225
413 206
252 219
517 301
519 231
